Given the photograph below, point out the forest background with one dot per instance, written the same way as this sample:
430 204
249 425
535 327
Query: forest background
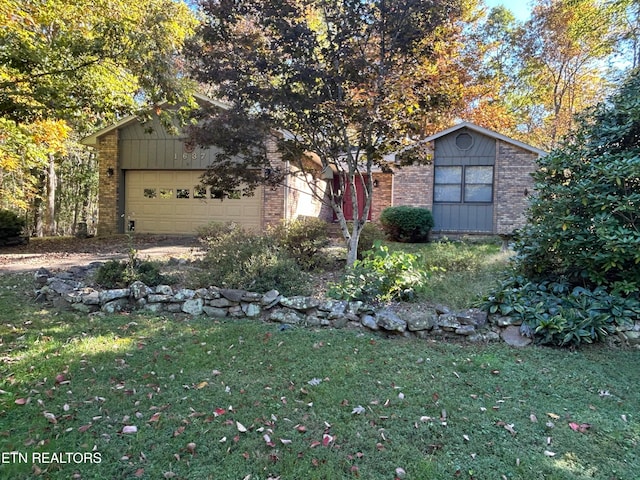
67 70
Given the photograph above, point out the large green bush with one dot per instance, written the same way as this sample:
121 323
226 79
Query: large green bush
381 276
577 269
11 225
407 224
237 258
584 222
303 239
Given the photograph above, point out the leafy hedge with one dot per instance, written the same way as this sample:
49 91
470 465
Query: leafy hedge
556 313
407 224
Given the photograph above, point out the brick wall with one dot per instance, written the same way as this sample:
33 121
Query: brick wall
108 184
382 194
412 185
513 183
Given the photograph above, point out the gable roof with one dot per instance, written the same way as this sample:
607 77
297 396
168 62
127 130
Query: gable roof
92 139
486 132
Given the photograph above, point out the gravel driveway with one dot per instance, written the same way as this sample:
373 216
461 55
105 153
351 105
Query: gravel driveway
64 252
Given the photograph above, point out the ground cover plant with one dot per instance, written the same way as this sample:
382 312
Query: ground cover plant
195 398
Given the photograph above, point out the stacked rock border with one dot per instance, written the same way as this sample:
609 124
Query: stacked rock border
68 290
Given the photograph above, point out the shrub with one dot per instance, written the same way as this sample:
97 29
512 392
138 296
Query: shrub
555 313
453 256
240 259
407 224
11 225
583 223
303 239
369 235
118 274
381 276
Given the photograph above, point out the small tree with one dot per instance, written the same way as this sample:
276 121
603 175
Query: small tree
584 223
340 79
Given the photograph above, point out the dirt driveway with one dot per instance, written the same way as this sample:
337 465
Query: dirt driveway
63 252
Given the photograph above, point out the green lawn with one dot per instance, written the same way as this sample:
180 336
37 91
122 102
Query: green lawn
241 399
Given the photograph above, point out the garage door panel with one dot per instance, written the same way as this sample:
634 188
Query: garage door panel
151 201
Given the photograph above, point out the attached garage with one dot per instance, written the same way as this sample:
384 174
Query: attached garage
161 201
150 183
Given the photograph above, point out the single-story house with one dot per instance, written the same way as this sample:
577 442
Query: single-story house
149 182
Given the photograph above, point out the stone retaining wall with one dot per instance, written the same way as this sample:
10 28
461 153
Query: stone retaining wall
69 290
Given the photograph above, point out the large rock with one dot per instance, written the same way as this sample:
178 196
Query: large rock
193 306
116 305
512 336
300 303
287 316
139 290
114 294
423 320
270 299
214 311
369 321
251 309
390 321
232 294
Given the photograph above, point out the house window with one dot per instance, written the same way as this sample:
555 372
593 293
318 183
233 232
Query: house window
478 184
150 193
468 184
182 193
199 192
166 193
219 194
448 185
464 141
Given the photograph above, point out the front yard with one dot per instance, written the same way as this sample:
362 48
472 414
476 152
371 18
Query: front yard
148 396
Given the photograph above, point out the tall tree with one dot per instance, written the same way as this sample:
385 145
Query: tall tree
564 47
84 65
333 77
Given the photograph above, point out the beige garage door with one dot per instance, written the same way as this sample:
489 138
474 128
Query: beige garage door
172 202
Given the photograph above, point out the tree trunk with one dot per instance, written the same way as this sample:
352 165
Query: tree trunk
50 211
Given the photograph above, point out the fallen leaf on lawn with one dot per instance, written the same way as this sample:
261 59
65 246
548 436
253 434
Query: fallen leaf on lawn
129 429
425 418
201 385
216 372
623 417
191 447
553 415
241 428
178 431
219 411
509 428
51 417
66 407
139 473
84 428
285 441
314 382
222 440
550 425
154 418
358 410
327 439
21 401
533 418
549 453
401 396
582 427
315 444
465 437
169 475
301 428
400 472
